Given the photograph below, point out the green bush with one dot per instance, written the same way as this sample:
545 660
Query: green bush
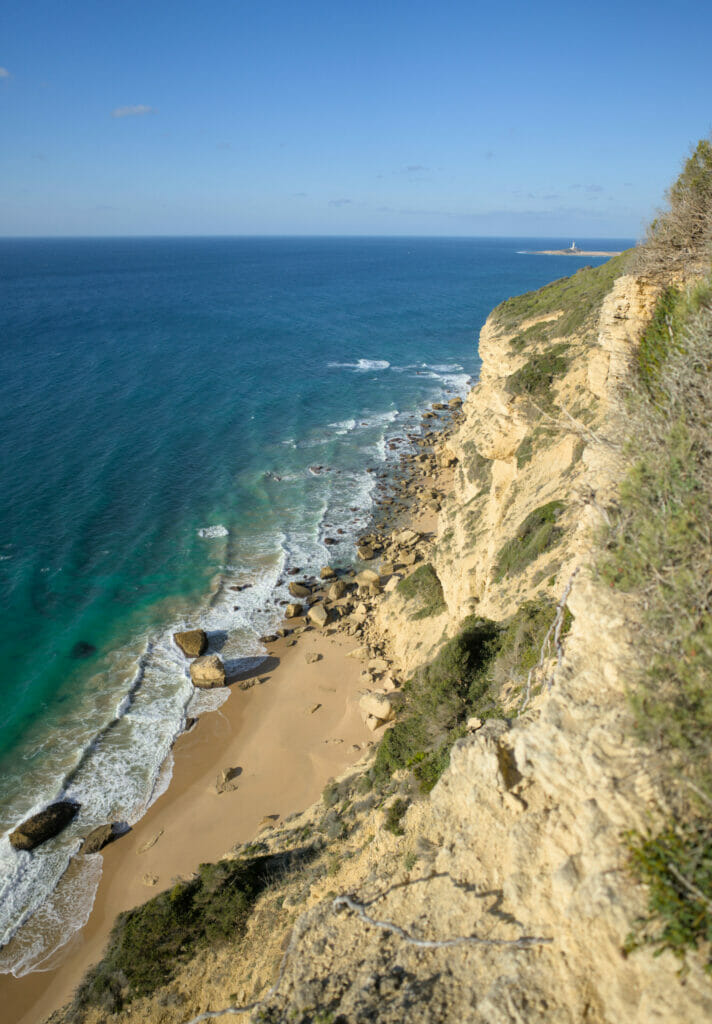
424 587
535 378
394 814
677 867
463 681
439 699
537 534
147 945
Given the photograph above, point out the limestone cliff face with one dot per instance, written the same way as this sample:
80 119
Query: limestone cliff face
522 835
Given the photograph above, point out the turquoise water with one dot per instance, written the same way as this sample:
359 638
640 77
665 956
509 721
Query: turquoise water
179 416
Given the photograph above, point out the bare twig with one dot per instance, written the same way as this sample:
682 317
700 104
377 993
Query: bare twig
555 630
524 942
697 893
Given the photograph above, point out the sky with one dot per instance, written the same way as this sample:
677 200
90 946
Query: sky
347 117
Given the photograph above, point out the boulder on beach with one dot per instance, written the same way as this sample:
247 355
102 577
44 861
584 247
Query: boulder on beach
293 610
226 781
319 615
101 836
299 590
380 705
365 552
455 403
43 826
327 573
207 672
337 590
192 642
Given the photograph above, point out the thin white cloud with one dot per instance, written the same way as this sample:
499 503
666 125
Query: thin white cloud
136 111
4 73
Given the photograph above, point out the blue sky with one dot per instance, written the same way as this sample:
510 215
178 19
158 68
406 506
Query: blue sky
310 117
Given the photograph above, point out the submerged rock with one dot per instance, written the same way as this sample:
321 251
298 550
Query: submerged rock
192 642
82 649
207 672
43 826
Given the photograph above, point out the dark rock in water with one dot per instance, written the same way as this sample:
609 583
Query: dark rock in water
100 837
43 826
82 649
293 571
192 642
329 540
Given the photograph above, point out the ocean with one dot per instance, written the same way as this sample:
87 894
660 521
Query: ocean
178 417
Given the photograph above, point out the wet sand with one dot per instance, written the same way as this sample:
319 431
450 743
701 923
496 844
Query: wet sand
287 749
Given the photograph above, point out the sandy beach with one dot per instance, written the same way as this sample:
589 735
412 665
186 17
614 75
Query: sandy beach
292 725
289 735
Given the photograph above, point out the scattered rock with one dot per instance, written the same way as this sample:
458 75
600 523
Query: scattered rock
100 837
327 573
192 642
319 615
455 403
337 590
311 657
150 880
299 590
293 610
378 666
473 724
207 672
226 780
43 826
365 552
380 705
392 584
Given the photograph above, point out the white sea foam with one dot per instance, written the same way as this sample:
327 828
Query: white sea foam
363 364
209 532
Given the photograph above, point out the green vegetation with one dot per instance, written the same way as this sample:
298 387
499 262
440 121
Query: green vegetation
535 378
533 333
477 467
394 815
537 534
659 549
677 867
463 681
424 587
680 239
148 945
579 298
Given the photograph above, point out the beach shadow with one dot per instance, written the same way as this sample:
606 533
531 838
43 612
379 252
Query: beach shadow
241 670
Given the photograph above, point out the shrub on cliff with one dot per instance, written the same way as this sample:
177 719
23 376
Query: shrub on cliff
463 681
679 240
536 535
659 548
424 587
148 945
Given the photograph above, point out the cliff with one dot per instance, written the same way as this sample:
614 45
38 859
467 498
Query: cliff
504 894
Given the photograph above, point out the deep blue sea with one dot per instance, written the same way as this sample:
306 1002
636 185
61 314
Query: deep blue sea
178 416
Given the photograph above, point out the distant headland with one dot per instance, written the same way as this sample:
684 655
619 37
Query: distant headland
573 250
